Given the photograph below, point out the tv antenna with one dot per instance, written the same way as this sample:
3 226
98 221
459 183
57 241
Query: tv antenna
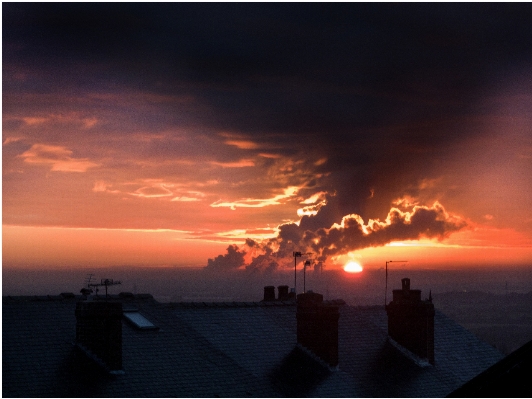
296 255
386 285
308 263
105 282
87 290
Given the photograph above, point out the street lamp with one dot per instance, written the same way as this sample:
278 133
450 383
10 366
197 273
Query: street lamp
296 255
386 287
307 263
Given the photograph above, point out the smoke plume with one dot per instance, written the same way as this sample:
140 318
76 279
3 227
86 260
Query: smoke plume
232 260
350 234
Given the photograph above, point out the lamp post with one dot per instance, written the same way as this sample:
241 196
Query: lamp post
296 255
386 285
307 263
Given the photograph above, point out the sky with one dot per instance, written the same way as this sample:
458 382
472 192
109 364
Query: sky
229 135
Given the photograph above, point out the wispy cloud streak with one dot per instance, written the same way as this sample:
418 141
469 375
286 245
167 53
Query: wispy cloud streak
58 157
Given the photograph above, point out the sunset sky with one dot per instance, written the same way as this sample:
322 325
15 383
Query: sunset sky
230 135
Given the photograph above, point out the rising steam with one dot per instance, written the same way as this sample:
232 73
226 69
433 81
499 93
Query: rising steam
349 235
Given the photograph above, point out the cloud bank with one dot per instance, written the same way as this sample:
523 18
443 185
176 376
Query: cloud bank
350 234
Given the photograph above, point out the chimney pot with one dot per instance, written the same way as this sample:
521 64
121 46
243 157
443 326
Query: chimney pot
283 292
269 293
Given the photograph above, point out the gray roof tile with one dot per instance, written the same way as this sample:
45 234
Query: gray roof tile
227 349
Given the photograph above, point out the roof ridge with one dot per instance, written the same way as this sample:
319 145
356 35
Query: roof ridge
65 296
243 304
412 356
369 307
233 304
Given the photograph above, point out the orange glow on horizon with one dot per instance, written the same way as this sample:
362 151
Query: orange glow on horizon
32 247
26 246
425 256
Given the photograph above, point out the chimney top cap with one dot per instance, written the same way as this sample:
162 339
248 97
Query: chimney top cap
310 298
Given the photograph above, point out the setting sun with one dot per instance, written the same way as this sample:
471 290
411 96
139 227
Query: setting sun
353 267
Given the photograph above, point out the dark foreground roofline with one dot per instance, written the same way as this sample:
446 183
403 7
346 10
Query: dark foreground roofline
68 296
244 304
509 377
225 349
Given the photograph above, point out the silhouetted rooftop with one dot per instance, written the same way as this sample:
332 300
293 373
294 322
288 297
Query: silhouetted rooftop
227 349
509 377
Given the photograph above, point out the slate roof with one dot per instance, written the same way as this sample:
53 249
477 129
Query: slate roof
227 350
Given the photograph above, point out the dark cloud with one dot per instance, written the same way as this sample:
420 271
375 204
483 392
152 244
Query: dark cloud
353 234
350 234
232 260
331 74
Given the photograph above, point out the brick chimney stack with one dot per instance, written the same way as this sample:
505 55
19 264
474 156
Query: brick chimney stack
317 326
269 293
283 292
411 321
99 332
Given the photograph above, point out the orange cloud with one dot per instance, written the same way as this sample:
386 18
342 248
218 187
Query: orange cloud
269 155
243 234
243 144
239 141
308 210
406 201
71 117
315 202
58 157
243 163
186 199
258 203
155 190
318 197
9 140
100 186
152 188
34 120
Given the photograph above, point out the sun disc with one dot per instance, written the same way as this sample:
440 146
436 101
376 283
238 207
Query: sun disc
353 267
